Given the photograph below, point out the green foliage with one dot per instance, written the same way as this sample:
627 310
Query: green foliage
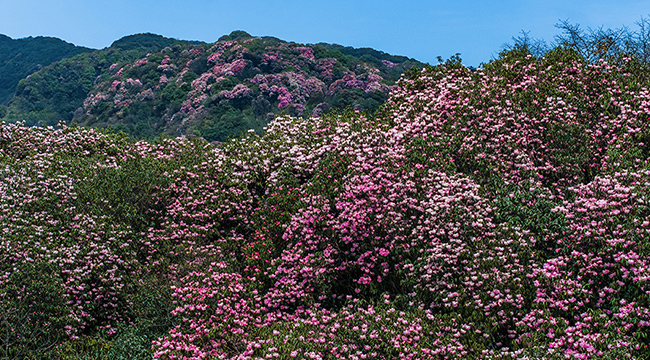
172 96
152 305
349 57
31 310
22 57
257 45
227 122
228 83
122 194
130 342
235 35
528 207
189 77
143 42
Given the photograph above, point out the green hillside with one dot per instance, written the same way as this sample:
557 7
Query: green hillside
55 92
21 57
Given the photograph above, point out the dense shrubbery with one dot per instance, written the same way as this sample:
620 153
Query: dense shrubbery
495 213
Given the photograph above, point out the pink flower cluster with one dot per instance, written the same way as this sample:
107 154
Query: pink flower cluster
307 53
269 58
326 66
291 88
140 62
368 81
240 90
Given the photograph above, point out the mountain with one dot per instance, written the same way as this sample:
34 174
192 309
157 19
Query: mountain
147 85
21 57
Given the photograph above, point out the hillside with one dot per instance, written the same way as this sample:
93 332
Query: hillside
492 214
21 57
55 92
149 86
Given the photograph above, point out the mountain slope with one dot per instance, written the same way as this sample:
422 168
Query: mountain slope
21 57
55 92
146 85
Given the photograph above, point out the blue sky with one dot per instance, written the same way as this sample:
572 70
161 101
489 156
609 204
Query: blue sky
419 29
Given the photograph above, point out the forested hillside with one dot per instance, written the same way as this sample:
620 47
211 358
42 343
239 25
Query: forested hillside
55 92
21 57
147 85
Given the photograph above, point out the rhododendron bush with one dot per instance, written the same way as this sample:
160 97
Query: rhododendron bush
496 213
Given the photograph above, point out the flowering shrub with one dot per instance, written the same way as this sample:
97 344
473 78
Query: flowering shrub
501 213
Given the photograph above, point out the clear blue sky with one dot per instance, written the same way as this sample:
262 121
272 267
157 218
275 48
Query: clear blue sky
419 29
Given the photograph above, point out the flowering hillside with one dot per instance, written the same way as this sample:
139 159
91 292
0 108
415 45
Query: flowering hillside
56 91
147 85
220 90
489 214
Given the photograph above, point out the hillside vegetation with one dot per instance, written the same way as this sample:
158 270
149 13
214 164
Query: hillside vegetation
489 214
147 86
55 92
21 57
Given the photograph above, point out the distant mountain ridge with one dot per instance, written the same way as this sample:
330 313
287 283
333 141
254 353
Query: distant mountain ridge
147 85
21 57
